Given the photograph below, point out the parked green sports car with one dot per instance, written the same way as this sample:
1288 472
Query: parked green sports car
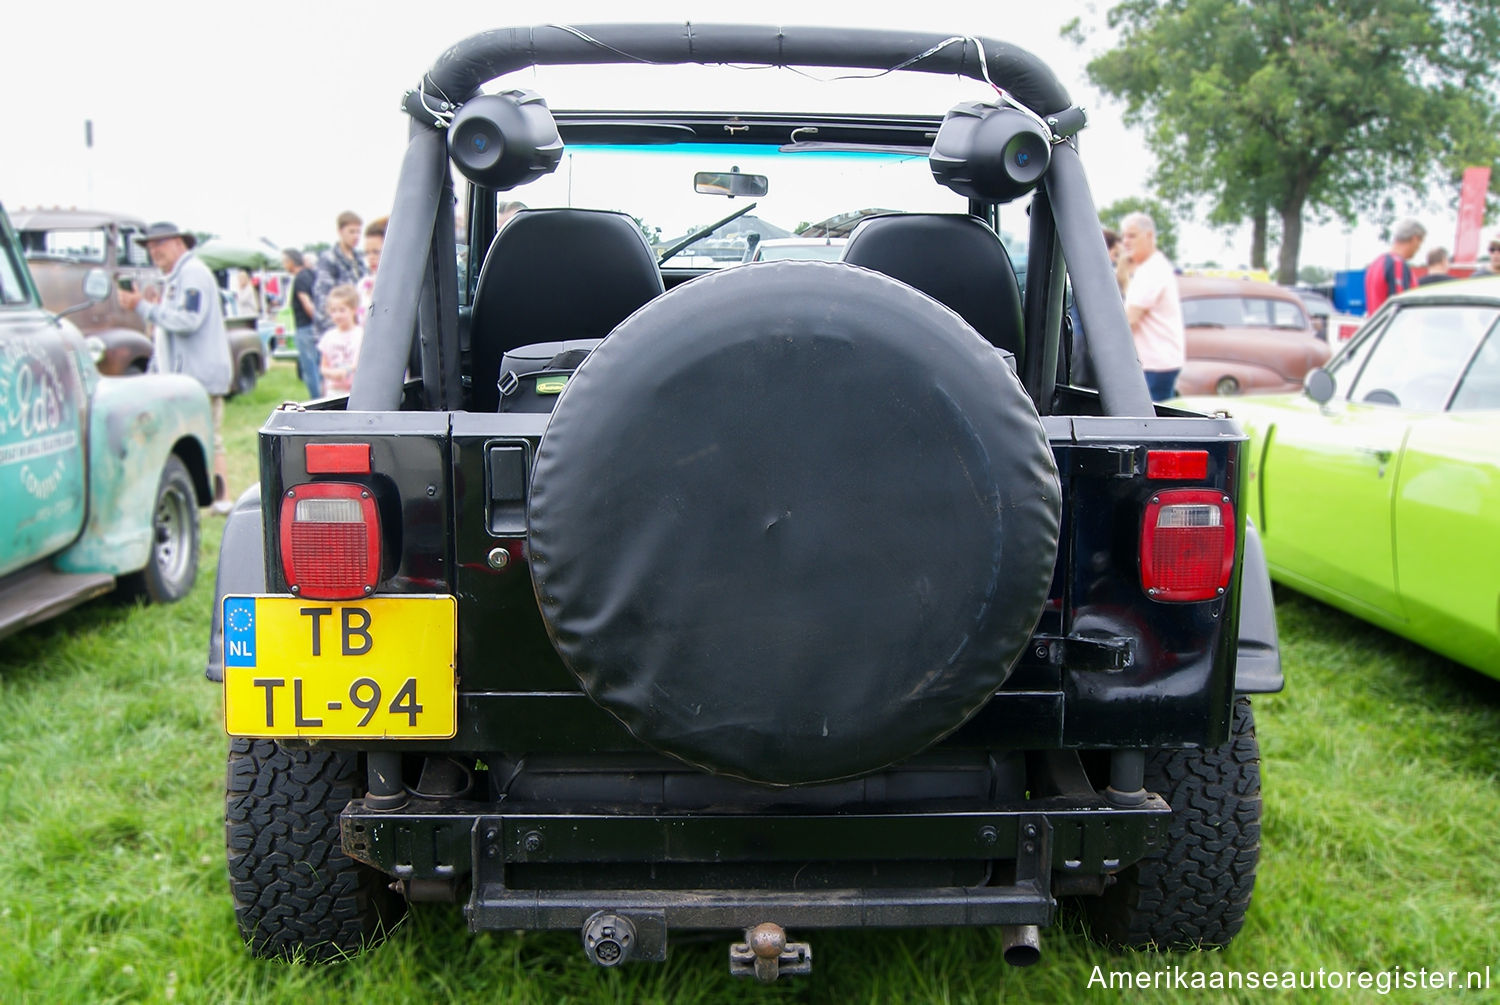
1377 488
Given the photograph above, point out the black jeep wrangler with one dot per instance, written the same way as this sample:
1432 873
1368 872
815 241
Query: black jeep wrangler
636 589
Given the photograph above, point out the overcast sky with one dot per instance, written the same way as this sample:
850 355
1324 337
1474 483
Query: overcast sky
252 120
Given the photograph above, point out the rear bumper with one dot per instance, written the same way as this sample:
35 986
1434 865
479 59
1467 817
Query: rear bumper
530 866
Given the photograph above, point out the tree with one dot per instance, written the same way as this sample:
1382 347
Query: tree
1166 228
650 233
1305 106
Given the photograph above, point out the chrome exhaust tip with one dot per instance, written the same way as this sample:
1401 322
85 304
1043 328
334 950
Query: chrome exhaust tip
1021 945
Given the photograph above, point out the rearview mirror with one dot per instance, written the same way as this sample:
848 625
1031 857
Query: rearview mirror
95 289
1319 385
730 183
96 286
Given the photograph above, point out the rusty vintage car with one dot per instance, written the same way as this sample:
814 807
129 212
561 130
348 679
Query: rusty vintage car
100 477
1245 336
62 245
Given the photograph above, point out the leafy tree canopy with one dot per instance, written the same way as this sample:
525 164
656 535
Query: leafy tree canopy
1329 107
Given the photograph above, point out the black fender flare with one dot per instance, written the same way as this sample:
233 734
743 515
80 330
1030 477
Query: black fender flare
1258 664
242 569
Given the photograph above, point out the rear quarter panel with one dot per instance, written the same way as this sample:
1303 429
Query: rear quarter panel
1446 511
134 424
1447 515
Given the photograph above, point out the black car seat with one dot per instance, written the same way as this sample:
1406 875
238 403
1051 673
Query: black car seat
953 258
551 275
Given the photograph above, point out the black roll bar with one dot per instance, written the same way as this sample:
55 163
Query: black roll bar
412 243
409 244
1117 371
460 71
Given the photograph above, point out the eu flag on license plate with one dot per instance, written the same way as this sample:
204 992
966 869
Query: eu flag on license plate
239 631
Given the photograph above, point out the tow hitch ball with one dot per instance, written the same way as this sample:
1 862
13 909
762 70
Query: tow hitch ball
766 954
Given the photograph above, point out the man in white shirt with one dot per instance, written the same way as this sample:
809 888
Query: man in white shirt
1153 307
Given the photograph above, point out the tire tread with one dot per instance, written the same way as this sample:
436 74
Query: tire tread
296 894
1196 894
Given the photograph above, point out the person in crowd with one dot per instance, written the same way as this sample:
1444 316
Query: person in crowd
339 347
504 212
1491 265
1082 366
246 299
340 265
374 242
1152 306
304 310
1437 268
1117 256
190 335
1319 326
1389 274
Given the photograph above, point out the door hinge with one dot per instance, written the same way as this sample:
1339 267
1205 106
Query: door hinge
1076 653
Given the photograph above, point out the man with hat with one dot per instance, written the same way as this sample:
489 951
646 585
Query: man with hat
190 335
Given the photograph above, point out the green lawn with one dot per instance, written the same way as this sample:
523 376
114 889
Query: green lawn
1380 779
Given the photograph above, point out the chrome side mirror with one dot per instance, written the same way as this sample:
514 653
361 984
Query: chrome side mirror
95 288
1319 385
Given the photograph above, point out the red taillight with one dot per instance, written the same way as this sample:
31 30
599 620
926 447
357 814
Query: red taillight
330 541
1179 465
1187 545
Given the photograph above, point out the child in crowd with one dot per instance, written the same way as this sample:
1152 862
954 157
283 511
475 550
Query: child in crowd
374 242
339 346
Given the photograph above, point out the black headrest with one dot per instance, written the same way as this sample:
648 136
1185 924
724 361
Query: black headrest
552 275
955 259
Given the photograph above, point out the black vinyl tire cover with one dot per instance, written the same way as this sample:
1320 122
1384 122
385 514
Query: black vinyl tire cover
793 522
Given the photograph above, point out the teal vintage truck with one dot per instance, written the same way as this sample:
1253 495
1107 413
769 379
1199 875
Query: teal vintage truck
101 477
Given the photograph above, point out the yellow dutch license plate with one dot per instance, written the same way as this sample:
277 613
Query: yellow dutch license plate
362 669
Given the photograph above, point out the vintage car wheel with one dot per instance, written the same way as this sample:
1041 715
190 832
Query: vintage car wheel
172 567
247 375
1227 385
793 523
1196 893
296 894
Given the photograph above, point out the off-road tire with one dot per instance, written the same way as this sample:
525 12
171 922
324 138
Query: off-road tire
172 566
296 894
1196 893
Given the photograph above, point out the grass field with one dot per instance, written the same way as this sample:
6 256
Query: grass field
1381 789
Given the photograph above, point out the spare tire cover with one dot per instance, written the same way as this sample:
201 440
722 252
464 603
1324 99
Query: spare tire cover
793 522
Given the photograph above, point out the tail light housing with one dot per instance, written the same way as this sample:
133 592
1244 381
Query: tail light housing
330 540
1187 545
